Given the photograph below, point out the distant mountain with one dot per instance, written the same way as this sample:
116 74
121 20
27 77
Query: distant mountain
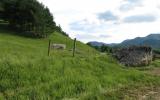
152 40
95 43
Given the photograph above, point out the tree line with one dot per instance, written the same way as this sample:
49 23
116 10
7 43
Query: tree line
30 17
103 48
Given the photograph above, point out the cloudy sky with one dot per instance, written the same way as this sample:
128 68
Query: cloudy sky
109 21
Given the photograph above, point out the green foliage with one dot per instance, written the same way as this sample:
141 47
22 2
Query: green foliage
1 10
105 48
156 63
29 16
102 48
157 51
27 73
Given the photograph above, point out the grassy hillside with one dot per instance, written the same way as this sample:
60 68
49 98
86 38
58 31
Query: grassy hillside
27 73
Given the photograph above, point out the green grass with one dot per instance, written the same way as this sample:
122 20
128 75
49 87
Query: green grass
27 73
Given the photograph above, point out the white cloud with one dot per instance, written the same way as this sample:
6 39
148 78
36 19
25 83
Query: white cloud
107 16
140 18
88 27
128 5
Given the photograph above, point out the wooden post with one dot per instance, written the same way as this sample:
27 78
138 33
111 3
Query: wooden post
74 47
49 47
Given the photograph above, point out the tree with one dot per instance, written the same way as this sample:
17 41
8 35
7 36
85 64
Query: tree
1 10
29 16
105 48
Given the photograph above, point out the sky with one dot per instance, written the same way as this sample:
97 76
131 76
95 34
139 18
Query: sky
108 21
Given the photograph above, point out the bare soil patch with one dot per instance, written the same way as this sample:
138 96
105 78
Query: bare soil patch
155 71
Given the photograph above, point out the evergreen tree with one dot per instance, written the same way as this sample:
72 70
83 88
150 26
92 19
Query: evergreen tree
29 16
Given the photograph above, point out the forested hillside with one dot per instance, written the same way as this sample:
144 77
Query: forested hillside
29 17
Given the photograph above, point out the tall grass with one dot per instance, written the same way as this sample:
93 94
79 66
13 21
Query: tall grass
27 73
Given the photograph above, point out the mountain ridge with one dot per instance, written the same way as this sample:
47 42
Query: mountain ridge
152 40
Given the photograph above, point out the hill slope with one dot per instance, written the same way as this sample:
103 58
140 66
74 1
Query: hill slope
94 43
27 73
152 40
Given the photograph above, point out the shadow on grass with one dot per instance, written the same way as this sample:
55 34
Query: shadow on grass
6 29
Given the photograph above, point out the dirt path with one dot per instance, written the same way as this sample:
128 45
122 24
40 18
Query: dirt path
144 93
153 94
155 72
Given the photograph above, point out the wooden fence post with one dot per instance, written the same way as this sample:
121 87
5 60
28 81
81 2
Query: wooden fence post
49 47
74 47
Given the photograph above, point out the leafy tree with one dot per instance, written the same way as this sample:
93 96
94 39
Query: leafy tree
102 48
105 48
1 10
29 16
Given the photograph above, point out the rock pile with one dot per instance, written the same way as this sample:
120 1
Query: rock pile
134 56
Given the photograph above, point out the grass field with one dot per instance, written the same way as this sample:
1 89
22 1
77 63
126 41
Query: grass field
27 73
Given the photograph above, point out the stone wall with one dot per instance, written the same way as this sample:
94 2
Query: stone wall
134 56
